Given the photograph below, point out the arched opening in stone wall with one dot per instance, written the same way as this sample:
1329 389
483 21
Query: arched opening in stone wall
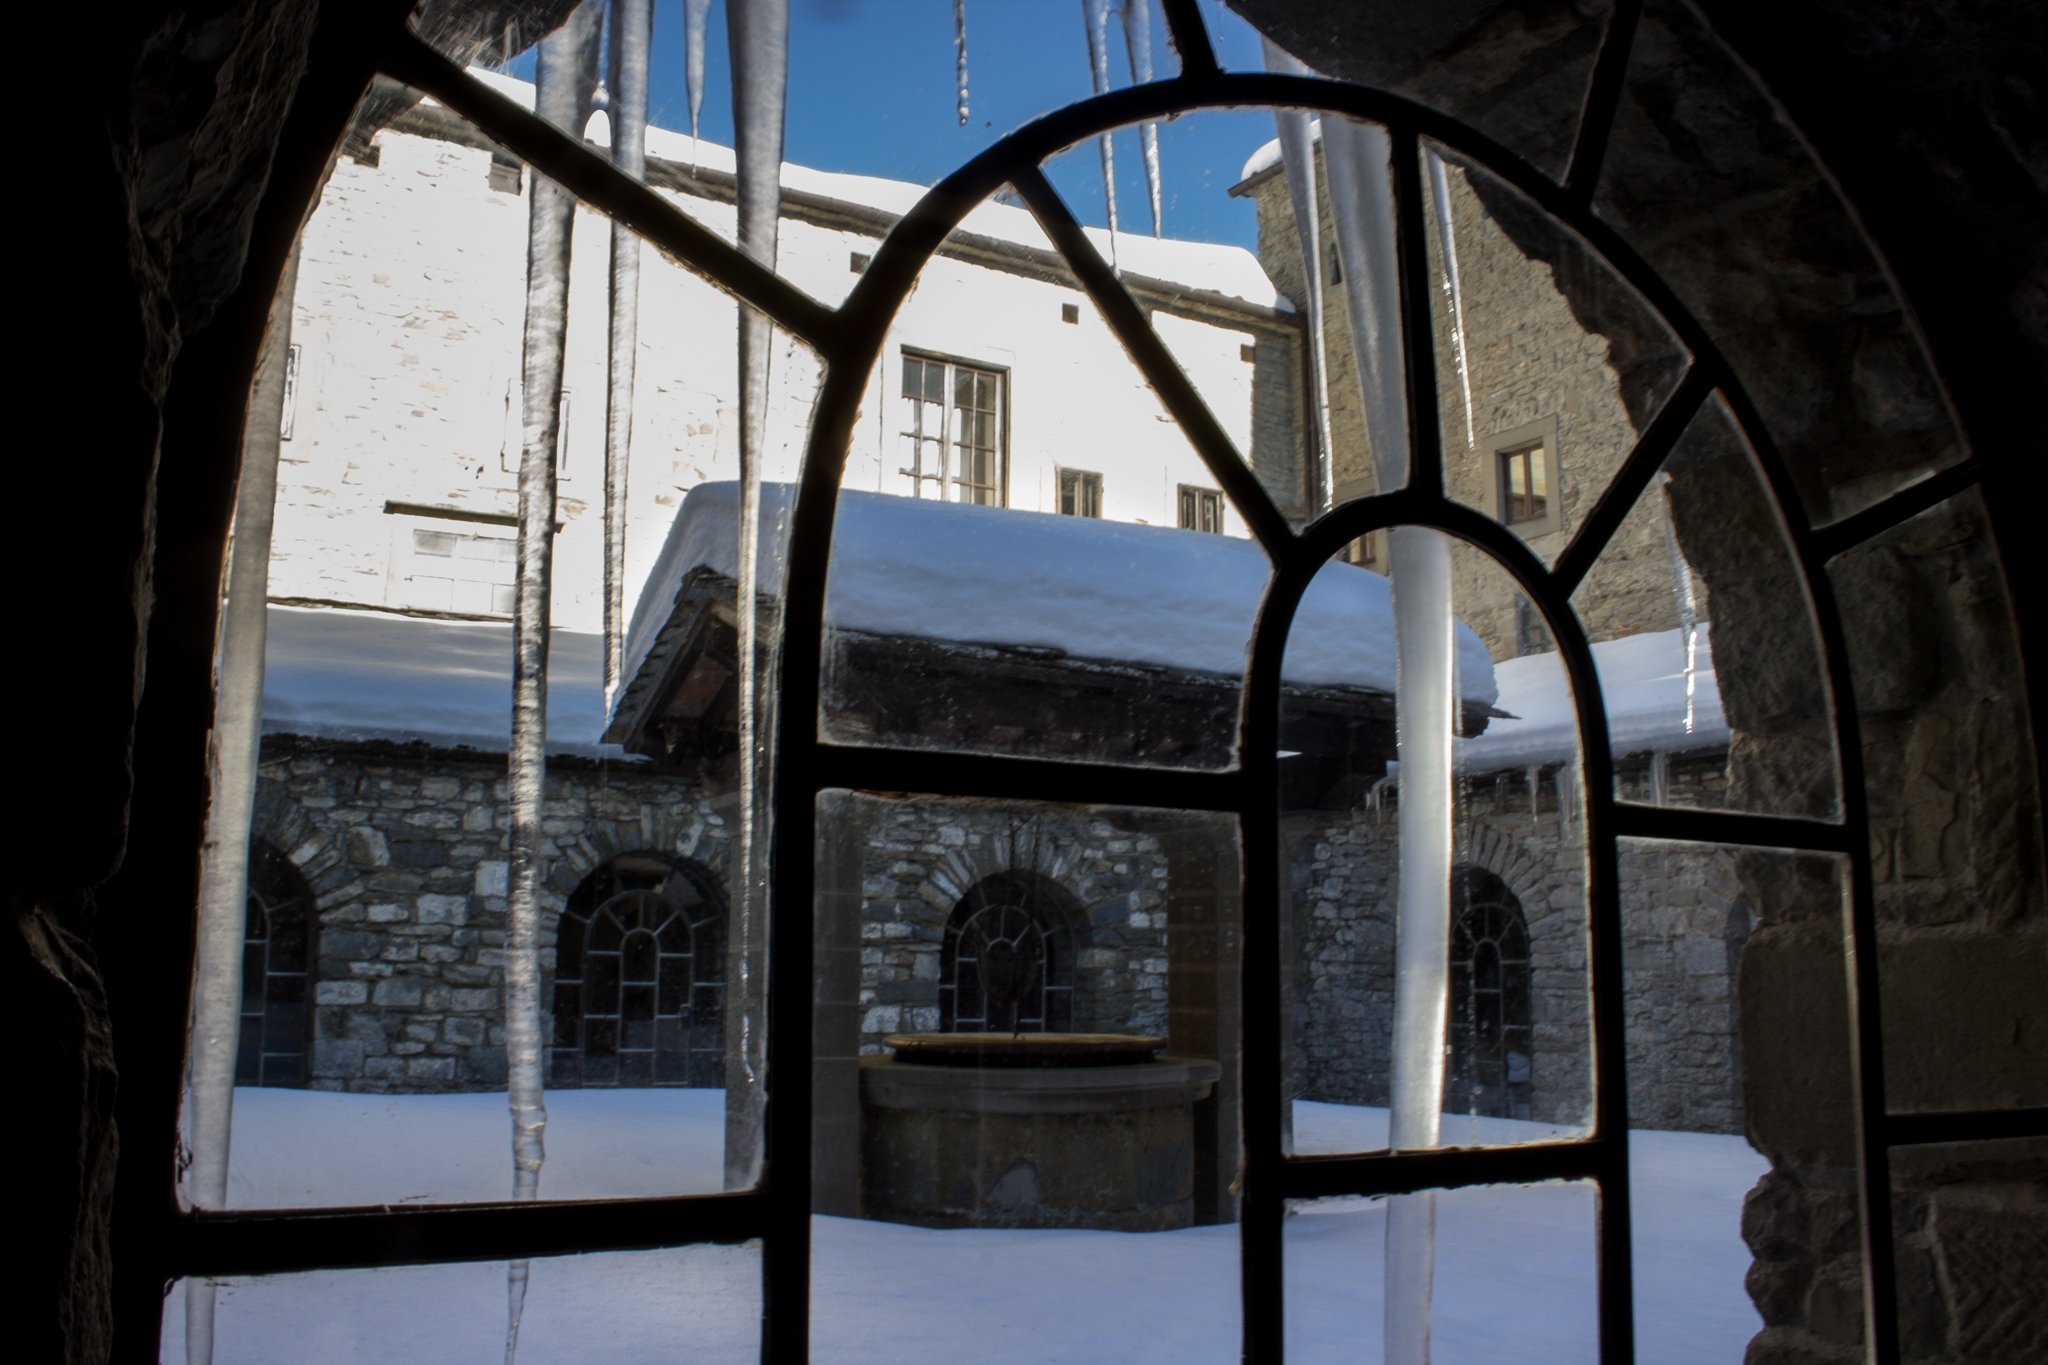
277 949
639 972
1008 959
1491 1056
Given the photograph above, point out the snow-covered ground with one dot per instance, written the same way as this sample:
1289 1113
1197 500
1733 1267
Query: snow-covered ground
1514 1266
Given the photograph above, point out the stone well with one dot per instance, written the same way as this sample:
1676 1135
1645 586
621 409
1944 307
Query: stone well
1036 1131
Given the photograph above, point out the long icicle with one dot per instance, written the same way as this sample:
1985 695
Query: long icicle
1138 41
1095 14
1357 159
696 14
565 80
960 56
1447 241
1297 132
632 24
758 35
224 858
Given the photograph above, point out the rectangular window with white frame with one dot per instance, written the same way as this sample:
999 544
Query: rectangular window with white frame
950 437
1080 493
475 574
1201 509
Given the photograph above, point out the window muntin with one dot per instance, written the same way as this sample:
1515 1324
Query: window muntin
457 571
950 433
1080 493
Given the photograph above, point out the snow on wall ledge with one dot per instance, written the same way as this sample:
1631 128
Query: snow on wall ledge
1642 681
1095 589
362 675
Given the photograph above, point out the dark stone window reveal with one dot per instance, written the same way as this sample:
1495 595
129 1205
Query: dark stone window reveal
276 948
1011 924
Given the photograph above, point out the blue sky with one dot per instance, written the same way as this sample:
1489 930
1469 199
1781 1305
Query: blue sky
871 92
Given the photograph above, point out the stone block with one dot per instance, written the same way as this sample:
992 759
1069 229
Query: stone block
471 1001
352 945
399 992
483 1067
435 1070
338 1058
367 847
439 909
493 878
464 1032
418 853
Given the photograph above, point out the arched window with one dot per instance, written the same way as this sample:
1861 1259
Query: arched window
637 972
1491 1055
1007 964
277 950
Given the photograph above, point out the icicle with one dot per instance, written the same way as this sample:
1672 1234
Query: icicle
758 35
1095 13
1357 160
1138 41
960 55
1447 240
1297 134
564 81
1688 604
632 23
224 859
695 15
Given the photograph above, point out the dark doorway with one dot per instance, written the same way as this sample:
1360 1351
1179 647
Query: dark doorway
1015 924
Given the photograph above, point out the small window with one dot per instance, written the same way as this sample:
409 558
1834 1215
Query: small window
858 262
951 435
1080 493
1333 267
1201 509
1523 488
1248 354
1525 484
1070 312
1364 551
504 173
291 393
473 574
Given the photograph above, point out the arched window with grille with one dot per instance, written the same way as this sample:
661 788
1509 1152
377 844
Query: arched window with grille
1008 961
277 950
638 998
1491 1056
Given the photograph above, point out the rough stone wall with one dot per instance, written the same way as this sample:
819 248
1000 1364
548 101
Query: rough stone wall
407 861
921 856
1684 922
1963 939
1530 357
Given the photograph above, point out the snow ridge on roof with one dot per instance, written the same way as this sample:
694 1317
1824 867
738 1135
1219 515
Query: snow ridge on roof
1227 270
1268 156
1094 589
1642 683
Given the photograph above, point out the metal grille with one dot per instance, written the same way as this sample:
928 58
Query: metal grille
1490 1047
1006 963
850 340
276 951
638 999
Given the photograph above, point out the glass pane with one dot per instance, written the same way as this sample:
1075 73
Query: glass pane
619 1306
1356 412
1107 633
1506 1272
1504 1048
1749 232
1955 810
1708 655
1549 366
377 1033
1688 914
1026 1039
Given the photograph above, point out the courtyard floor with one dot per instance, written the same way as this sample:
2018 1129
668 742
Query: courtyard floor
1514 1275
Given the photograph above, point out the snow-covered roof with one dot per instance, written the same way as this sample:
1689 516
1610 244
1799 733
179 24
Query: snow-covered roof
1227 270
340 674
1095 589
1642 682
1268 156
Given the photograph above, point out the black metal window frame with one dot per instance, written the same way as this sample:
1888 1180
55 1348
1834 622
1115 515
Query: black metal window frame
851 340
951 477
